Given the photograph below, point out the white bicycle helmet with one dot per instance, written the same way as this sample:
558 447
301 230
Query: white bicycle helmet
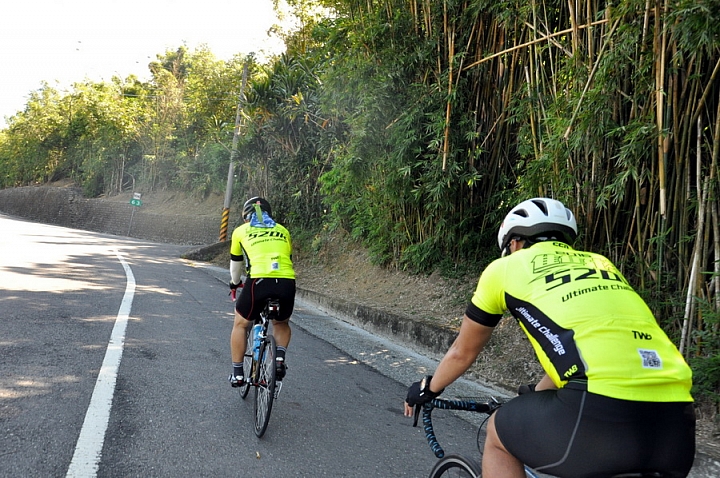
538 217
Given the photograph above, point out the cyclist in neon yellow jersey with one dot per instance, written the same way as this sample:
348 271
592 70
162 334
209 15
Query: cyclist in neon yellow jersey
264 248
616 394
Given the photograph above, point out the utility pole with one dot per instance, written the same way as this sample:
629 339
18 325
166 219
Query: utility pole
233 153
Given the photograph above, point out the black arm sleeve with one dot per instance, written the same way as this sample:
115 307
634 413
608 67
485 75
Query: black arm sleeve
233 257
478 315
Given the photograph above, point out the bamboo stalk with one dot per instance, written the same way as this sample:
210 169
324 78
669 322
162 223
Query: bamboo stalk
697 250
526 44
659 104
590 79
414 13
640 237
706 91
704 292
550 38
450 34
714 211
588 20
427 9
574 27
532 116
716 249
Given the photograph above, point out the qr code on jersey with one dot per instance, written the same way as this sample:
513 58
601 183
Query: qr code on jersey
650 358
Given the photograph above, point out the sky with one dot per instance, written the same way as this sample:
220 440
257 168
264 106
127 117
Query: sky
66 41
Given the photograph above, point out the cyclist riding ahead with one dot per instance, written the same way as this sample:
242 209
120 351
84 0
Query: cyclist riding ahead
616 394
266 248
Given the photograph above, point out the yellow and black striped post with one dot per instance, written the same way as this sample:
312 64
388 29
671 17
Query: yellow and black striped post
224 224
233 154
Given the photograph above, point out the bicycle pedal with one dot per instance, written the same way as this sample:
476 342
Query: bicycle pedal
278 387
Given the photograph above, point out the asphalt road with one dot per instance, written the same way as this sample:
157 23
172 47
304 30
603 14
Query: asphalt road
72 300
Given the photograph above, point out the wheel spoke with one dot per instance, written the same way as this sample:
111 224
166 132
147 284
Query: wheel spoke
247 363
265 389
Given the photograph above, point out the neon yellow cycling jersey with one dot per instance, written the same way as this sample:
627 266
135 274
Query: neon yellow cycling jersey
588 327
267 250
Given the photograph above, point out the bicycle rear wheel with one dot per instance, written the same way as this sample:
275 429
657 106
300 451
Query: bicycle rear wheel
265 387
247 363
456 466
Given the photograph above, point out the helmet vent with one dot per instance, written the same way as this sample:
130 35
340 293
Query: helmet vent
542 206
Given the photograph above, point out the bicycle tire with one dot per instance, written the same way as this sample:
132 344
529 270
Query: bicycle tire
247 363
456 466
265 387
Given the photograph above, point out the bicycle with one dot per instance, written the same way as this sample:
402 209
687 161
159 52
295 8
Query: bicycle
462 466
455 464
259 360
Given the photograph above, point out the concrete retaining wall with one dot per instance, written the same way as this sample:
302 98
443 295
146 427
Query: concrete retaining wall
410 331
67 207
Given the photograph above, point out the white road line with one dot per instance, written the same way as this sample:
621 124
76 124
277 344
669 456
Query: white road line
89 446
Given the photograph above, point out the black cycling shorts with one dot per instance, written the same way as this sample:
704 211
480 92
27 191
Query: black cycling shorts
251 300
574 433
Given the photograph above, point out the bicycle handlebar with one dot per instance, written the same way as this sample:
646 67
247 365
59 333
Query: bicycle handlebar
465 405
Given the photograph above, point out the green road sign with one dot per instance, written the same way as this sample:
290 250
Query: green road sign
136 202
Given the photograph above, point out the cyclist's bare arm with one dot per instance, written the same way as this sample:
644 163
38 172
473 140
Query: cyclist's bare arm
545 383
461 355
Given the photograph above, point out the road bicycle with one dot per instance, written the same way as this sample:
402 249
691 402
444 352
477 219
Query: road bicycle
260 367
455 465
462 466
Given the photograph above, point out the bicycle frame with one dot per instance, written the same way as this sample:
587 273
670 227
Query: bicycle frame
259 360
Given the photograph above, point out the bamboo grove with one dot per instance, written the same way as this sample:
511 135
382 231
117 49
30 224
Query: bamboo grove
416 124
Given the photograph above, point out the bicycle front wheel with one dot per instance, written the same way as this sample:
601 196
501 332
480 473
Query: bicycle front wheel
265 387
247 363
456 466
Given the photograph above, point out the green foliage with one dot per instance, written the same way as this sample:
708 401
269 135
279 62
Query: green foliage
109 135
706 377
705 354
696 25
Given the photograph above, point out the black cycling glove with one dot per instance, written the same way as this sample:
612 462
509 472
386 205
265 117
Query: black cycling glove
419 392
523 389
235 286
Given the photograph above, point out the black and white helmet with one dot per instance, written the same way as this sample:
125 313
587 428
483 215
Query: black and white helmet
249 206
538 217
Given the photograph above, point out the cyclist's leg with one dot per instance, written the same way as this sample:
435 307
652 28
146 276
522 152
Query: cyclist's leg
238 336
576 433
540 428
674 447
238 342
284 291
497 461
282 332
